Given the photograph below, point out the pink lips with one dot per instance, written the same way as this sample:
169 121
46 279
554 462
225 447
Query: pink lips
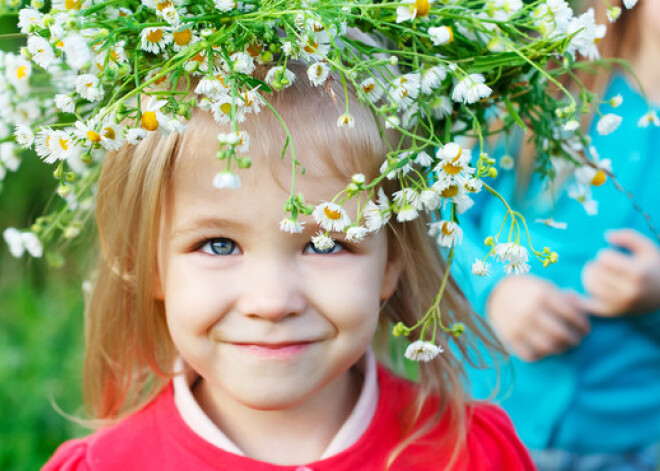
275 351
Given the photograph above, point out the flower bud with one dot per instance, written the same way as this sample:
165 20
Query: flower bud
244 162
64 190
489 241
492 172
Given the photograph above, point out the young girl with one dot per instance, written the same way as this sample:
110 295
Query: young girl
216 340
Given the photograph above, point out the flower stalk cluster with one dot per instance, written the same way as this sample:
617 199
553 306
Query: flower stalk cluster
95 75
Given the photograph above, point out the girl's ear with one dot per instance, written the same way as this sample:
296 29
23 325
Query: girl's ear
392 273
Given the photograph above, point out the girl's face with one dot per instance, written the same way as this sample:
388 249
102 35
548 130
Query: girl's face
260 315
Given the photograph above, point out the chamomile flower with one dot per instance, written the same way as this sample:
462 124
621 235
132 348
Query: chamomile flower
227 180
317 46
212 87
152 118
454 163
182 37
453 192
154 40
356 234
371 89
20 242
571 125
375 216
331 217
421 350
88 87
412 9
616 101
76 51
514 256
221 109
406 212
649 118
135 135
613 14
24 136
629 3
507 162
65 103
480 268
291 225
29 18
18 72
441 107
447 233
318 73
279 77
423 159
225 5
346 120
40 50
243 63
430 199
322 242
471 89
405 89
432 78
53 146
441 35
608 124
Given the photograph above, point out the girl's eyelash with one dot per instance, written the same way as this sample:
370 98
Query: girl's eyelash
219 246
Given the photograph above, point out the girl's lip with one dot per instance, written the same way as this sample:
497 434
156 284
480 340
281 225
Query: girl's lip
274 351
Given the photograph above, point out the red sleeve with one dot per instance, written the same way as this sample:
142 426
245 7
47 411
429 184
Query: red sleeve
70 456
492 442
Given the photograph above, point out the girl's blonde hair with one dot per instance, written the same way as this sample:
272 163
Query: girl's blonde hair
129 353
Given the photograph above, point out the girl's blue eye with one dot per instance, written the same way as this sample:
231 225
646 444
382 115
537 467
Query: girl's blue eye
219 246
310 248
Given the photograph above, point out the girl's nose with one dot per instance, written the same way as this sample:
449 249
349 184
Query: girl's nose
271 290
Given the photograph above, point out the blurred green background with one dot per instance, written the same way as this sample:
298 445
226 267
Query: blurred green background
41 332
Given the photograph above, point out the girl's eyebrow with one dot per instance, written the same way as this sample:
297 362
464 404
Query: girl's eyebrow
194 226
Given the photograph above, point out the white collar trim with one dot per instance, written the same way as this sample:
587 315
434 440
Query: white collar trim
349 433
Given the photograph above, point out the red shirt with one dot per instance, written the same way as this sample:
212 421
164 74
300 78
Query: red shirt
156 438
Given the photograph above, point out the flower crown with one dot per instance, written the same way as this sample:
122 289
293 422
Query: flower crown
441 73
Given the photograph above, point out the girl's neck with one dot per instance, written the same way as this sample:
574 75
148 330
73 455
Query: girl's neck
285 437
644 62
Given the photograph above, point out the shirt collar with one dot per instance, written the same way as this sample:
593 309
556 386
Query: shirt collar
349 433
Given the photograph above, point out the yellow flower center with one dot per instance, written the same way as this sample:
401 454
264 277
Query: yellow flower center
21 72
248 101
162 5
368 87
452 169
149 121
181 38
72 4
451 34
423 7
449 192
60 44
254 50
311 47
331 213
93 136
225 108
599 178
446 229
64 143
109 133
155 35
115 55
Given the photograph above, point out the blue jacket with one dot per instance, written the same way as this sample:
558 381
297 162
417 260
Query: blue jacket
603 395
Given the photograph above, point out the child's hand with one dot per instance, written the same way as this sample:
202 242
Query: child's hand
619 283
535 318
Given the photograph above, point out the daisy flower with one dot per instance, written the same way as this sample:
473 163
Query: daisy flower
24 136
18 72
441 106
421 350
52 145
471 89
608 124
291 225
227 180
616 101
154 40
412 9
649 118
76 51
480 268
405 89
318 73
279 77
88 87
507 162
432 78
29 17
454 163
356 234
40 51
629 3
221 109
225 5
135 135
514 256
183 37
447 233
243 62
19 242
346 121
371 89
65 103
430 199
322 242
331 217
441 35
152 118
